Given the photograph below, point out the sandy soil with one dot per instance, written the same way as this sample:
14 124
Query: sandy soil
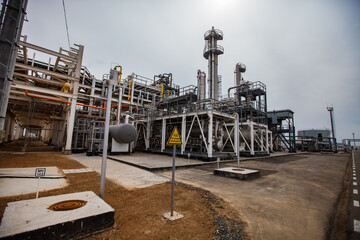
138 212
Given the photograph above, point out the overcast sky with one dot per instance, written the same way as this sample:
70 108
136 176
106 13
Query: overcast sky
307 52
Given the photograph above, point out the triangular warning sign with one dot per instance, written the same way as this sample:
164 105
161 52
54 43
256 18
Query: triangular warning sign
174 138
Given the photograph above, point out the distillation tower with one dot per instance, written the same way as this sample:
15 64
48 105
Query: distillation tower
211 52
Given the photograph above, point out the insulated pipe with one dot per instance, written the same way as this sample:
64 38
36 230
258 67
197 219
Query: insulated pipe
58 100
235 87
123 133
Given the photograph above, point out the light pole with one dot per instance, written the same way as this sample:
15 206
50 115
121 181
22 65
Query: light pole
334 145
354 139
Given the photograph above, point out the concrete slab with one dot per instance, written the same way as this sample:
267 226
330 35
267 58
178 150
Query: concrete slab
239 173
51 172
18 181
32 219
80 170
123 174
155 162
19 186
159 162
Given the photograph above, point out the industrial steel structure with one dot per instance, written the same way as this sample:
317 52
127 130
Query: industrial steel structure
61 103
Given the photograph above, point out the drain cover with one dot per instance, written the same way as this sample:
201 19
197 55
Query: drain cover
238 169
67 205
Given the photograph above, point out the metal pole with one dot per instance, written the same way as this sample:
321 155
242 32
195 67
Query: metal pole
354 139
106 137
173 181
334 147
37 188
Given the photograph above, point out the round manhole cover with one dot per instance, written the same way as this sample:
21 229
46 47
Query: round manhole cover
238 169
67 205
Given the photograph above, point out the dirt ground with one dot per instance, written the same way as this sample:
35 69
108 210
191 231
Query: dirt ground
138 211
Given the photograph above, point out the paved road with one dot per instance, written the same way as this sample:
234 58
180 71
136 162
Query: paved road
293 199
355 198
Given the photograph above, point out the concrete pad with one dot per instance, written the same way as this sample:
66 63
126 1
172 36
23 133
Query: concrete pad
239 173
80 170
123 174
51 172
155 162
174 217
32 219
19 186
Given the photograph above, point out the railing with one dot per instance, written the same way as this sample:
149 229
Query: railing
211 48
217 32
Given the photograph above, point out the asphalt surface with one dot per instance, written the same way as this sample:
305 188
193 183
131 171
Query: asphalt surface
293 199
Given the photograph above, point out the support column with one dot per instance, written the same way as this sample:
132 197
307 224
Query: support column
267 139
210 135
252 152
183 134
236 139
12 129
119 105
7 128
163 135
10 35
148 132
261 139
71 118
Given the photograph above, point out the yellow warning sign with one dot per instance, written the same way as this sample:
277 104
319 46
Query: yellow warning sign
174 138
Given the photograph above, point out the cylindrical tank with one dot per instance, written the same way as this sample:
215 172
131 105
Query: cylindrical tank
239 69
201 85
123 133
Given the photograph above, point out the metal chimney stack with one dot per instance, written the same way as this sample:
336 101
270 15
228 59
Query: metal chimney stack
211 52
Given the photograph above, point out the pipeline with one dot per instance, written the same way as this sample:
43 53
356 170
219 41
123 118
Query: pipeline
120 72
162 91
130 86
58 100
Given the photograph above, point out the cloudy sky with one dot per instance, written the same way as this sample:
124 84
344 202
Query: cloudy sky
307 52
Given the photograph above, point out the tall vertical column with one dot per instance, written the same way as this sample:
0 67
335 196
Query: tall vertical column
211 52
11 22
71 117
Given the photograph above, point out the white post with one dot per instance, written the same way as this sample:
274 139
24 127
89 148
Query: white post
71 116
252 152
113 77
267 139
148 131
37 188
163 135
236 139
210 135
183 134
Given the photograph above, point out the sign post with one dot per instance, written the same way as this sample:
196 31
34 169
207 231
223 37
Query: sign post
39 172
174 140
